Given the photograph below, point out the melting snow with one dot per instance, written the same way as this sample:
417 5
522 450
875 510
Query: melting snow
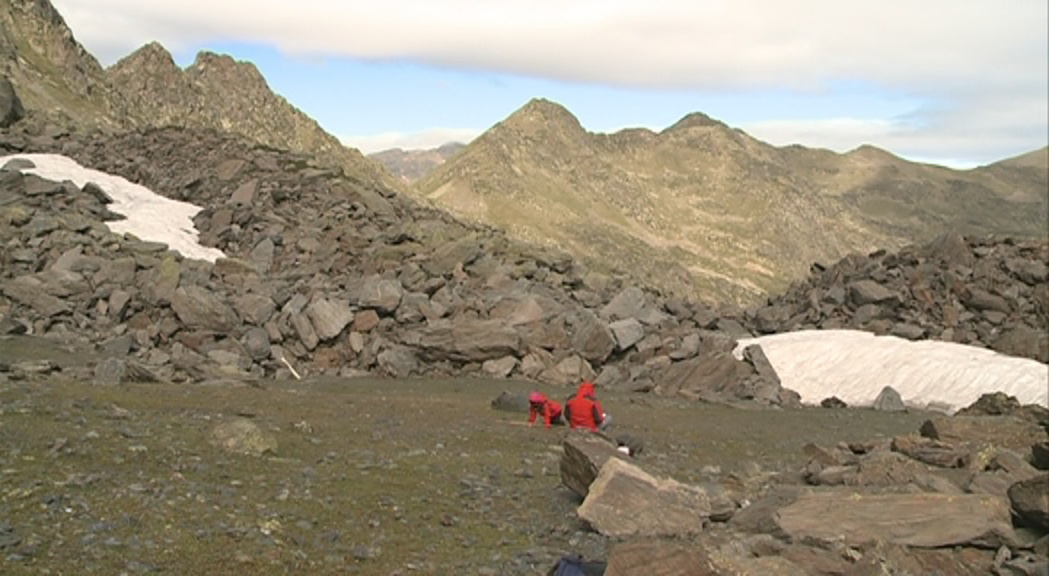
150 216
855 366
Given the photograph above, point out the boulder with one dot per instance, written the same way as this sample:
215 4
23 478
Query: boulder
11 109
924 520
626 502
889 400
1001 431
1029 500
469 341
242 436
583 455
658 558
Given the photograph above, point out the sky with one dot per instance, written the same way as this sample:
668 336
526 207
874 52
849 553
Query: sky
818 364
956 83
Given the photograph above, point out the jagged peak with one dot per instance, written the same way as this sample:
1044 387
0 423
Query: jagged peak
151 56
207 63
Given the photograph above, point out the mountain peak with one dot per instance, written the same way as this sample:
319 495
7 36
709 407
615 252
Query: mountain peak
543 113
151 58
227 71
695 120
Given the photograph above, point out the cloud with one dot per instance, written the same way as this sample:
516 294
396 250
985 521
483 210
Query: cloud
981 65
975 131
668 43
427 139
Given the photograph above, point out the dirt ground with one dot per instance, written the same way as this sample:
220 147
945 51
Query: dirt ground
369 476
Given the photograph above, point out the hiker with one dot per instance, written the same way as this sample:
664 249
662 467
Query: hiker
584 411
538 404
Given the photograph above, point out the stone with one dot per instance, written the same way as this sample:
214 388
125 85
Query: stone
925 520
329 317
658 558
11 109
1029 499
627 332
242 436
584 453
592 339
624 501
889 400
1001 431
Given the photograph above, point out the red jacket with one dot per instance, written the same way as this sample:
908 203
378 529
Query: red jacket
551 411
583 410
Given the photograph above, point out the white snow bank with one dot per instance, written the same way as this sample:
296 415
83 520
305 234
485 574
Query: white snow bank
855 366
150 216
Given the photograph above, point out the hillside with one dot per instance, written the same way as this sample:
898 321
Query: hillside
701 209
61 83
410 165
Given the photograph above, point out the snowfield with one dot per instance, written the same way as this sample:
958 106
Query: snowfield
855 366
150 216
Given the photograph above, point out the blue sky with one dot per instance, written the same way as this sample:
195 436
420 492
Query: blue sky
955 83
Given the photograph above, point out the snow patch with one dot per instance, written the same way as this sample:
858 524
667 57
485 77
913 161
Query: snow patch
855 366
150 216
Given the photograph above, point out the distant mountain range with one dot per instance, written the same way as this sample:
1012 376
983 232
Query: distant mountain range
706 210
699 209
410 165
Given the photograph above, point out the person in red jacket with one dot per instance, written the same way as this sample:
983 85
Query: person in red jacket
539 404
584 411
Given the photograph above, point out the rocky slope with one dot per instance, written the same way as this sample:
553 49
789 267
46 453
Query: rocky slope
337 278
703 210
54 75
221 93
410 165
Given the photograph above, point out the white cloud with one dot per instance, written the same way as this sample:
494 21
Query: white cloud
984 61
668 43
427 139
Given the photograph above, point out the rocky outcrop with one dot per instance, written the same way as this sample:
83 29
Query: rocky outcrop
989 292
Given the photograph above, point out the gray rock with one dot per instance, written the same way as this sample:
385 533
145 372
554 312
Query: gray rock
329 317
624 501
889 400
592 338
380 293
242 436
627 332
201 309
11 109
584 453
869 292
1029 499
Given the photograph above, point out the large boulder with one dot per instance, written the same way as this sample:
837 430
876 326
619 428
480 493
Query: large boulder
1030 501
924 520
625 501
469 341
584 453
11 109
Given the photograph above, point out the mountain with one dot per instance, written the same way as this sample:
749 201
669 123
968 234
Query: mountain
60 82
218 92
410 165
702 209
55 76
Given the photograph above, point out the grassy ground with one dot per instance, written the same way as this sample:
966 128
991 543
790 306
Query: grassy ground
370 476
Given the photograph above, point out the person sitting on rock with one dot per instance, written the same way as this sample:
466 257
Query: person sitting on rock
538 404
584 411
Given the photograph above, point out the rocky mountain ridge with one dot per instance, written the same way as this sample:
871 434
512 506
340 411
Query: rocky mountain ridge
334 277
704 210
60 81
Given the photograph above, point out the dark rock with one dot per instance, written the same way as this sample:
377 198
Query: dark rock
1030 501
11 109
584 455
833 402
889 400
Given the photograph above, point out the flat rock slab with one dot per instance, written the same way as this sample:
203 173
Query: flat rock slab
658 558
625 501
1001 431
585 453
925 520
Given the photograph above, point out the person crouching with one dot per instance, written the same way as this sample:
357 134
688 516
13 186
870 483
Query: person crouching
539 404
584 410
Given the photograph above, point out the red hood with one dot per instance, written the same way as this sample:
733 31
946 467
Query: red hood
586 389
